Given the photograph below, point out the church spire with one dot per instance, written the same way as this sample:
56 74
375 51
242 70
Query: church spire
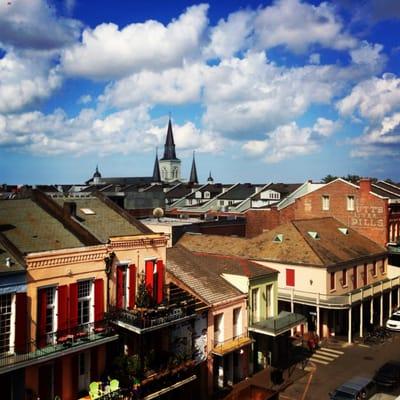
156 170
169 147
193 172
210 178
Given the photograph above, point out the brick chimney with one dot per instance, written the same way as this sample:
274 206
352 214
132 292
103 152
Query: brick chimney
69 209
365 186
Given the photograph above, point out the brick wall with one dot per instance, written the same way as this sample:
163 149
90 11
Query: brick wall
369 217
258 221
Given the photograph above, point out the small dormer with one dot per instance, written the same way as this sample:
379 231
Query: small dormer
314 235
278 238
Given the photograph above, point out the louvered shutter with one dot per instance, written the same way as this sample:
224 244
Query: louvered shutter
73 305
132 285
149 277
160 282
21 327
98 300
120 286
62 310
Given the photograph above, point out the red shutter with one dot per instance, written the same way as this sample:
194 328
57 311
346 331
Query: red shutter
41 322
98 300
21 327
62 310
160 283
149 277
120 286
73 305
289 277
132 285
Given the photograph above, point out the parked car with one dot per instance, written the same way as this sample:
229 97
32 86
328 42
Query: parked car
393 322
388 375
357 388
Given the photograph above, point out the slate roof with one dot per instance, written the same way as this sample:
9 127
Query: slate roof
239 192
106 221
385 189
201 275
283 188
32 229
214 189
297 246
181 190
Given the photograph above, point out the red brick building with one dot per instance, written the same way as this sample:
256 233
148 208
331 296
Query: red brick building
371 209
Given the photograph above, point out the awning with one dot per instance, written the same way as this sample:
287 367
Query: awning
275 326
228 346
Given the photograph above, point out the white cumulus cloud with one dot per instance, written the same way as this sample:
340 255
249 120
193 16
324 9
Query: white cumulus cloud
108 52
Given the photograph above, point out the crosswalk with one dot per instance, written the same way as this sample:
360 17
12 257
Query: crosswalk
325 356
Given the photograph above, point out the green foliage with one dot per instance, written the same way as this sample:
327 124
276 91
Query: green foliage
142 298
126 369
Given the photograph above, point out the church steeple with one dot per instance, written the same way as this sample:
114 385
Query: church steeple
169 147
170 165
193 172
156 170
210 179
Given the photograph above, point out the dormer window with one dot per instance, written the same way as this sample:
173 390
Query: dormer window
314 235
206 195
278 238
345 231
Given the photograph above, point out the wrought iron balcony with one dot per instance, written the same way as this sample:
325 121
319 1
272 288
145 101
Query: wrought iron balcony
56 344
145 320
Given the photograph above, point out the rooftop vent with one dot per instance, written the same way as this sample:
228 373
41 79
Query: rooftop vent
278 238
314 235
345 231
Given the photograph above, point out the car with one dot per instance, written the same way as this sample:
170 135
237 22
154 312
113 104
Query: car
357 388
393 323
388 375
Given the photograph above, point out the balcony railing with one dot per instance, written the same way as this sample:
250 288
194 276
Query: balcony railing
55 344
275 326
339 300
227 346
144 320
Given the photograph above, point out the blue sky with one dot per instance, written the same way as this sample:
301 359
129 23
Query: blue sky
283 90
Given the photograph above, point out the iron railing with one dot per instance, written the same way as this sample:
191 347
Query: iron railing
338 300
231 343
283 322
152 317
54 344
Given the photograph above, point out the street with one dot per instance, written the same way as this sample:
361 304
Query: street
336 363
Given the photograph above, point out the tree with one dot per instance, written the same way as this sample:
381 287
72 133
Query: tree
329 178
143 297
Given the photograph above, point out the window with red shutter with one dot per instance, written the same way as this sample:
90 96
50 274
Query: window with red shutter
289 277
160 283
21 323
98 300
332 285
149 277
132 286
120 286
62 310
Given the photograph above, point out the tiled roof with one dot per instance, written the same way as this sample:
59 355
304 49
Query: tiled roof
32 229
201 275
296 247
